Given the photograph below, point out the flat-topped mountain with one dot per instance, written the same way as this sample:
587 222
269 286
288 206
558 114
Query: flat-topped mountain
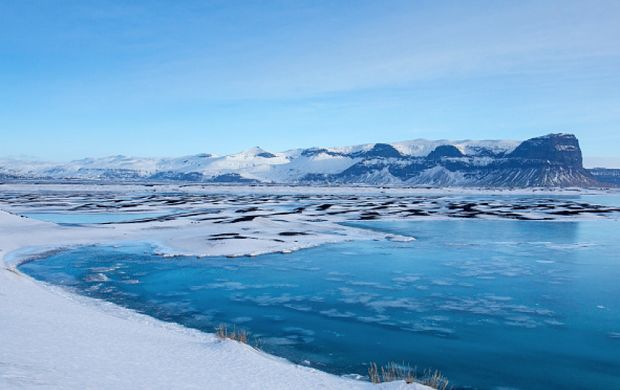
553 160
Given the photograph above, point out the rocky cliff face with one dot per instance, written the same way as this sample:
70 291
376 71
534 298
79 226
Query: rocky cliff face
552 160
552 149
548 161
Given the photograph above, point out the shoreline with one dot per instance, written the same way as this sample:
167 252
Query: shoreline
54 338
284 189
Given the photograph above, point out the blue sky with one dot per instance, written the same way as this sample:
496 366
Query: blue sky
172 78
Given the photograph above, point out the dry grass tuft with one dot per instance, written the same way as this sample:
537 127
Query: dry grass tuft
241 335
395 372
257 343
435 380
238 335
373 373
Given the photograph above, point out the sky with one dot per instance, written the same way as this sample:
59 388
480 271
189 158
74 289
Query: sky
172 78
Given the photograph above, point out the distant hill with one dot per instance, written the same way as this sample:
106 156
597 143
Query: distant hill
553 160
606 176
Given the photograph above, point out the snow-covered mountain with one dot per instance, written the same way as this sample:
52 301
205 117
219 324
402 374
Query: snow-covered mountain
551 160
608 176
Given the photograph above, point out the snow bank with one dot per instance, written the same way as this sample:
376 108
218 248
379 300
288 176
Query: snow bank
50 338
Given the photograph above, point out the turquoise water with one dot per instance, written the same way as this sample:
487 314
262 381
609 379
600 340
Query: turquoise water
492 304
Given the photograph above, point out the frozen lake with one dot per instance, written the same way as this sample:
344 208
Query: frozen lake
90 218
490 303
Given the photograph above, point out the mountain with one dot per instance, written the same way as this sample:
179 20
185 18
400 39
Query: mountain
548 161
606 176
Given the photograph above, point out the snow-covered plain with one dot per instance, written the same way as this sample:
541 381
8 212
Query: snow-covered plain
50 338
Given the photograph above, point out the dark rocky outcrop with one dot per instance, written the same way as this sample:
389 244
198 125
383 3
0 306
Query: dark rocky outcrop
231 178
444 151
553 160
176 176
379 151
557 149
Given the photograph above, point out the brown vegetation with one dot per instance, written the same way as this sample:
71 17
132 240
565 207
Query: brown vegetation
238 335
394 372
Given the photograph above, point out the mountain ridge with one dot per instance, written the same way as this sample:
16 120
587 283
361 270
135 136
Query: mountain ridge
547 161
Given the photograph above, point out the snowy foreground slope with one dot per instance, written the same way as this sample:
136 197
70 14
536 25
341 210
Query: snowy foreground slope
53 339
552 160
